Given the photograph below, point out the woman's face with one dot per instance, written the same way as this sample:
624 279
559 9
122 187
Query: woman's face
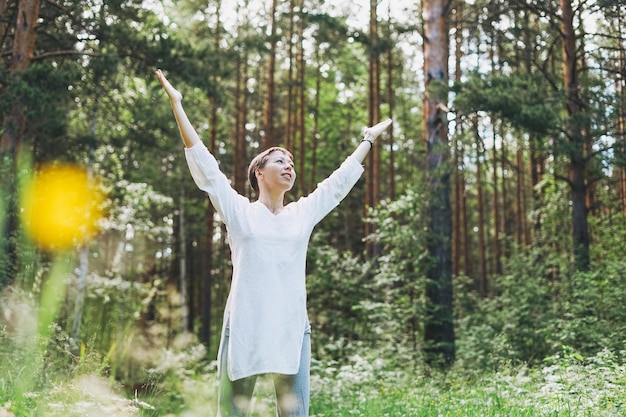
278 173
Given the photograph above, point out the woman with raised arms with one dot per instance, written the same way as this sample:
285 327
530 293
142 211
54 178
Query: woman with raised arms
266 328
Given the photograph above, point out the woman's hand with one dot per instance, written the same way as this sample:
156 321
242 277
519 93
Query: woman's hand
369 136
371 133
174 95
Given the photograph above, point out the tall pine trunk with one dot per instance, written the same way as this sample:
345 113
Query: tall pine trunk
438 321
621 146
289 118
301 100
241 116
620 152
183 278
458 237
576 146
480 207
372 189
270 138
316 111
206 284
13 128
497 245
391 104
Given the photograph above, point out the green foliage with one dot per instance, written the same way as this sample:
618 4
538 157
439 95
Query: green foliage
569 384
336 284
40 94
511 325
537 309
397 303
377 304
523 99
104 106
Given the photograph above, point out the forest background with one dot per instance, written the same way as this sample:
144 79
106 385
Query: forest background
487 235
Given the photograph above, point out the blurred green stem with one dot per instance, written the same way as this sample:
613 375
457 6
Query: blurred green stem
52 294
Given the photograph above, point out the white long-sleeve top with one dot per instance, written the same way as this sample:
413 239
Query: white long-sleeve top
266 307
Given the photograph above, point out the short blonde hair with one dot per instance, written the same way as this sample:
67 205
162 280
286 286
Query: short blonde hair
259 161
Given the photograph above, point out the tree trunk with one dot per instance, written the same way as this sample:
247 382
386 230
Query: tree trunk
520 201
458 179
456 212
206 285
14 126
480 206
620 153
374 104
290 82
184 285
508 227
621 121
574 131
497 265
497 246
372 190
3 22
241 98
301 101
25 35
438 321
316 111
390 103
269 139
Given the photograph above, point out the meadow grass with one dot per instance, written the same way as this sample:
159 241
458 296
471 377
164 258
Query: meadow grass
41 376
567 386
555 392
409 403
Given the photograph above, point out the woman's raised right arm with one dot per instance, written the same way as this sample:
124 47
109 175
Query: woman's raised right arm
202 165
187 132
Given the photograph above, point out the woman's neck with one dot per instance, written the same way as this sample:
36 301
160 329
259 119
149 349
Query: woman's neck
274 203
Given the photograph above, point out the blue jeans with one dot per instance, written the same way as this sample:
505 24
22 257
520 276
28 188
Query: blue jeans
292 391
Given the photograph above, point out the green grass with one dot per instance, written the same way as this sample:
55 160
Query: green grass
47 380
562 392
567 386
414 404
39 376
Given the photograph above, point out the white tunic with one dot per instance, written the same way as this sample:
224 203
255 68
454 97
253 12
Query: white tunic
266 307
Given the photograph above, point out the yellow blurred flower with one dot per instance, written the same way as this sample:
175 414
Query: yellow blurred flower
61 207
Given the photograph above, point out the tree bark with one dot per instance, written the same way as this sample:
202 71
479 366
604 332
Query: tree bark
372 190
316 111
480 205
301 101
390 103
374 105
21 56
520 201
458 237
206 285
289 118
241 98
183 279
621 121
269 139
574 131
438 326
497 246
14 123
